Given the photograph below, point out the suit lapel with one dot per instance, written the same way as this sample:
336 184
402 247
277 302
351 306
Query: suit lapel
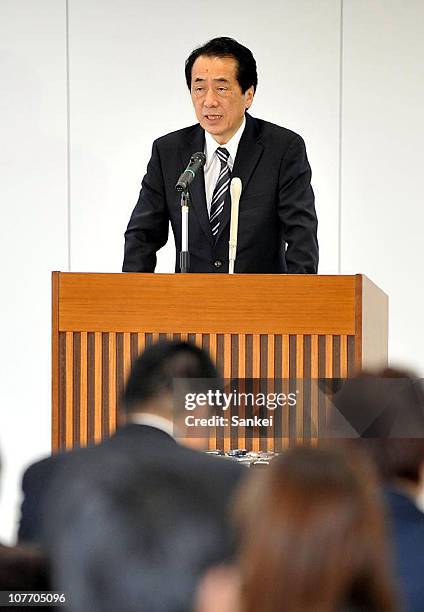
248 155
197 187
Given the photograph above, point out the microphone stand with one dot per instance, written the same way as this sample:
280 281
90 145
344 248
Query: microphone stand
197 161
184 254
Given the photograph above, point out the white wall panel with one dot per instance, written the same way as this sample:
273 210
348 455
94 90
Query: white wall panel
382 158
33 230
127 87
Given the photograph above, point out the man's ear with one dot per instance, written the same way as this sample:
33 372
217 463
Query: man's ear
248 96
218 590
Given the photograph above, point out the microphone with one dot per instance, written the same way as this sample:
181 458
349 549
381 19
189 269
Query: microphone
235 192
197 161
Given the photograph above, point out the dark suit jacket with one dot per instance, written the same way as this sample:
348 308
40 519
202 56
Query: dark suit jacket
276 207
407 528
45 481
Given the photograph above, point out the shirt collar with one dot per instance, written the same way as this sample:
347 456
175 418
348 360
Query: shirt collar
232 145
152 420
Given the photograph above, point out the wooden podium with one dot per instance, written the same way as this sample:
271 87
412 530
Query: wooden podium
254 326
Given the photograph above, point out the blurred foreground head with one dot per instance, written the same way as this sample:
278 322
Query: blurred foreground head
131 540
387 411
312 537
164 371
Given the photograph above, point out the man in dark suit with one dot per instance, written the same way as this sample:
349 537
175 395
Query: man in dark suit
151 411
277 230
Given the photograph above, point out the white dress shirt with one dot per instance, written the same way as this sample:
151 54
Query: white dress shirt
213 165
152 420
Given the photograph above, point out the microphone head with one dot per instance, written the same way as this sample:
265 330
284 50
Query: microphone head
199 158
235 188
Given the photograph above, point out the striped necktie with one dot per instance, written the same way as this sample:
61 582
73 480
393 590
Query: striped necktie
220 191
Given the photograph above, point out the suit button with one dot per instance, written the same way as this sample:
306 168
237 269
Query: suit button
217 263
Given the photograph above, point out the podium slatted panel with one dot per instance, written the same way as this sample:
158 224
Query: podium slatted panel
329 363
83 390
256 372
126 354
226 370
299 380
98 387
270 375
69 408
241 372
314 389
142 341
93 367
113 399
285 375
211 344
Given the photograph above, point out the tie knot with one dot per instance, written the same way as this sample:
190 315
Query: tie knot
223 155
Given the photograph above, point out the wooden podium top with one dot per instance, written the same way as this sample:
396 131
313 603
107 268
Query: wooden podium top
212 303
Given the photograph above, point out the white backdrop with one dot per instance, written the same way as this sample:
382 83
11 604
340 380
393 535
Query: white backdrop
87 86
382 158
33 228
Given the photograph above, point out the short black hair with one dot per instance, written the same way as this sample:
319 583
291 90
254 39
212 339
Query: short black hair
136 539
154 372
227 47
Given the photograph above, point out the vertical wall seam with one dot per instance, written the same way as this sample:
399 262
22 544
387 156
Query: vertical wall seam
68 137
339 255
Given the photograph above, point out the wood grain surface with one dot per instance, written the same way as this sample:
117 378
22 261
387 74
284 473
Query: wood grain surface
280 332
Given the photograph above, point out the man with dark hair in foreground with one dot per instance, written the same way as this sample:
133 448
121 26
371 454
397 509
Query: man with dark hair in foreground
277 230
151 409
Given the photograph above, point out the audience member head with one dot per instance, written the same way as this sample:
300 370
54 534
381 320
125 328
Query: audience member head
132 540
388 406
311 536
163 374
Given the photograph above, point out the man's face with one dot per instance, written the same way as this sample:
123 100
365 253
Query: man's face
217 97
